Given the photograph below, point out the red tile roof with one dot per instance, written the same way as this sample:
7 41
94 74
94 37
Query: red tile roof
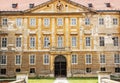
6 5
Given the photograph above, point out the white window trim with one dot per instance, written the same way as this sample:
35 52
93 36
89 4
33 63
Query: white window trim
16 43
6 43
18 23
58 41
76 59
30 68
2 21
44 59
114 58
100 58
71 21
72 41
99 21
44 42
30 22
86 42
6 60
117 21
34 59
30 41
48 22
20 59
87 22
58 22
85 58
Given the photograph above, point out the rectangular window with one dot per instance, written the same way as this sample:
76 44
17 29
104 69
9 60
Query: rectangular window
74 59
3 72
88 70
18 70
4 21
115 41
19 22
32 42
18 42
73 41
117 70
46 59
88 59
73 21
46 21
87 21
102 42
101 21
4 42
18 60
59 21
32 59
32 70
102 58
3 59
46 42
87 41
60 41
102 69
32 22
116 58
115 21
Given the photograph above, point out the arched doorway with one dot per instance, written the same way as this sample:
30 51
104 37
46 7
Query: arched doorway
60 64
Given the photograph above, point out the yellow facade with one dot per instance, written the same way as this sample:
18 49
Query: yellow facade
80 31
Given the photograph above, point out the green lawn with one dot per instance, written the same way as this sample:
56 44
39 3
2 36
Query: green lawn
70 80
82 80
41 80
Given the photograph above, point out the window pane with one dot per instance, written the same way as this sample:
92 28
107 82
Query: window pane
32 42
4 21
101 41
73 21
87 21
60 21
102 58
73 41
19 22
4 42
88 59
18 59
74 59
18 42
87 41
101 21
46 22
46 42
32 22
3 59
46 59
60 41
32 59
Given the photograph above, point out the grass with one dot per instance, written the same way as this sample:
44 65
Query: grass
82 80
41 80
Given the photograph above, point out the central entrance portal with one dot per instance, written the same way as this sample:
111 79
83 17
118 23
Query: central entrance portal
60 66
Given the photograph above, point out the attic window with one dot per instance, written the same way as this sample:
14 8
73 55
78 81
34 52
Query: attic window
90 5
31 5
14 5
108 5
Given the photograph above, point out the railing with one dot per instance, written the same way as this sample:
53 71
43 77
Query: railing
19 81
109 81
60 49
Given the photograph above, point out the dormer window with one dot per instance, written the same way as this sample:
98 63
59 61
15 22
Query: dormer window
90 5
14 5
31 5
108 5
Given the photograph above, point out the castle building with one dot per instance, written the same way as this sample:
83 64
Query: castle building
70 38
